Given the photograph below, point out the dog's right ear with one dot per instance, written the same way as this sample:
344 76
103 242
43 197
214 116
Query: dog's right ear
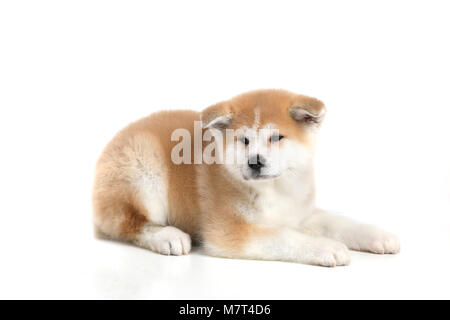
217 116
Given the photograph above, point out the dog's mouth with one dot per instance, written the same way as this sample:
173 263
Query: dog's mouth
258 176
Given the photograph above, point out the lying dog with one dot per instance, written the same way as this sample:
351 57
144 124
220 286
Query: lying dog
260 205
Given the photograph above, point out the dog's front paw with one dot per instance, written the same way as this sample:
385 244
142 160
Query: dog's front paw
166 240
172 242
330 253
374 240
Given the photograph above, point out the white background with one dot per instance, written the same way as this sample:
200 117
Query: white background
72 73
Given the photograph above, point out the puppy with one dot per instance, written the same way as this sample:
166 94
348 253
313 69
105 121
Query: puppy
168 178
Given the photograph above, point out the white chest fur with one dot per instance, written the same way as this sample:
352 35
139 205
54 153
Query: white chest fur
282 202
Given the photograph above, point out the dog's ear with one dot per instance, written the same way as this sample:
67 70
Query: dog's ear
217 116
308 110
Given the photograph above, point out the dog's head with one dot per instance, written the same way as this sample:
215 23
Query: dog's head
265 133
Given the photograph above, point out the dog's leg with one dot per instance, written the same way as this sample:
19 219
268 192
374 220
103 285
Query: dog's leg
356 236
115 220
165 240
281 244
129 218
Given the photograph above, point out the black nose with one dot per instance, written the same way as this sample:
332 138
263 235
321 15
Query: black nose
256 162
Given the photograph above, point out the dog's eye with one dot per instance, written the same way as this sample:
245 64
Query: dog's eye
244 140
276 138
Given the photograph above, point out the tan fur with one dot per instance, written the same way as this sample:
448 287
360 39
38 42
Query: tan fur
200 197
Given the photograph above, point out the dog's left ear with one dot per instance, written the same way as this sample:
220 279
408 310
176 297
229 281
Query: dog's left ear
308 110
217 116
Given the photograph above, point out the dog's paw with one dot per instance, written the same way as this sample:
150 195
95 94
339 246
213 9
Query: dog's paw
330 253
374 240
168 241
